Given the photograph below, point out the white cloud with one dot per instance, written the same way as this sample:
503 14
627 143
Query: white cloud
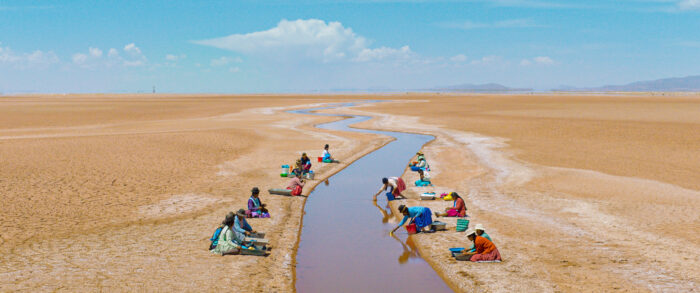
540 60
35 59
95 52
689 4
488 60
173 57
458 58
306 39
132 49
113 53
509 23
383 53
234 69
79 58
223 61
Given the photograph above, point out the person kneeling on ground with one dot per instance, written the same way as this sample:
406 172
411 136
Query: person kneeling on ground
397 186
227 243
421 216
485 250
256 209
305 163
296 185
458 208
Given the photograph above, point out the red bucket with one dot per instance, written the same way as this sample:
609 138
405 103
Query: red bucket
411 228
320 159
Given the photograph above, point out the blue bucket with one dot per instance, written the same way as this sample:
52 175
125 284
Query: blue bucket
456 250
389 196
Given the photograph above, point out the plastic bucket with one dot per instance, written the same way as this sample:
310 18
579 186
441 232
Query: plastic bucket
389 196
411 228
320 159
462 225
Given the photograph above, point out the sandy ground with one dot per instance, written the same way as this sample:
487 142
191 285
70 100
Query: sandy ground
579 193
120 193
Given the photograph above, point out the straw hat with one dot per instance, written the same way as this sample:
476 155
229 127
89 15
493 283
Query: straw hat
479 227
470 232
241 213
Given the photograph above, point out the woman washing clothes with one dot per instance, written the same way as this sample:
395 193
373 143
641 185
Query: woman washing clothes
256 209
458 208
395 185
484 249
421 216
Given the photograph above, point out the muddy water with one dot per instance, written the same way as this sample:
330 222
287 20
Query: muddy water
345 244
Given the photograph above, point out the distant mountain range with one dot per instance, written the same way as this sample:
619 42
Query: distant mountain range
486 87
678 84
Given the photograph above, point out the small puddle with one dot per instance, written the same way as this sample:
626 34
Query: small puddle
345 244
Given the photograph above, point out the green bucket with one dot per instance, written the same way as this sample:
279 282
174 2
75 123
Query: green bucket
462 225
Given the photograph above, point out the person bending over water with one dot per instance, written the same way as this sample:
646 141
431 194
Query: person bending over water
227 243
458 208
421 216
256 209
395 185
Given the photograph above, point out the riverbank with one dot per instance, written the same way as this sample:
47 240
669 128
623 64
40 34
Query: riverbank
559 228
121 193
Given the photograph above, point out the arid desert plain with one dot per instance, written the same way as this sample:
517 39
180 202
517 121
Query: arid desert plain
580 192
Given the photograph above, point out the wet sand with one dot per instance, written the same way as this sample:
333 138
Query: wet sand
121 193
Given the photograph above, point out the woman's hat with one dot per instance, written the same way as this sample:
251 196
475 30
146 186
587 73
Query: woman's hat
241 213
419 153
255 190
479 227
470 232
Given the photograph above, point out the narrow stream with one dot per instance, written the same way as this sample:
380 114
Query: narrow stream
345 244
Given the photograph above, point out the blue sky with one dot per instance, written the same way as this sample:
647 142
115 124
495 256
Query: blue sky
313 45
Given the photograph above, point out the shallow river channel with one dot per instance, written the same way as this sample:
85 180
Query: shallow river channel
345 244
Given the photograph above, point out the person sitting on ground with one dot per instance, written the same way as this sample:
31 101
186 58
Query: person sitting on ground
256 209
241 228
397 187
227 243
485 250
298 168
479 229
421 216
296 184
327 155
305 163
420 166
458 208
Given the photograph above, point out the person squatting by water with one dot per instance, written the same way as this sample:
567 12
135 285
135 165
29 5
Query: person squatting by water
396 186
420 216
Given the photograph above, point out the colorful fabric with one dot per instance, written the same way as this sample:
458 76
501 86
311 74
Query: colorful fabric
421 216
458 209
400 186
473 248
294 182
227 242
326 155
490 256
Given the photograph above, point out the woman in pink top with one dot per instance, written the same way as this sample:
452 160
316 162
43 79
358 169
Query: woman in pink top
296 185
